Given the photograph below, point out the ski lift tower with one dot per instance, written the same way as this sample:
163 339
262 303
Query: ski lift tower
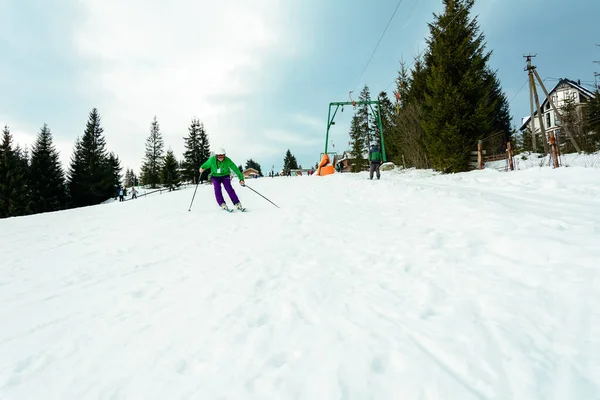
326 164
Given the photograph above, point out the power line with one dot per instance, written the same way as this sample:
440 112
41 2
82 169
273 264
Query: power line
515 95
436 36
377 45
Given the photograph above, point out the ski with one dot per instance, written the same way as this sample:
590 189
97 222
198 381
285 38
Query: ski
230 210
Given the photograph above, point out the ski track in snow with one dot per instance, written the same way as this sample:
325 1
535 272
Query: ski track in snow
419 286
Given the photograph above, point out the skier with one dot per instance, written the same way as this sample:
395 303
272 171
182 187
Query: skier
220 166
375 158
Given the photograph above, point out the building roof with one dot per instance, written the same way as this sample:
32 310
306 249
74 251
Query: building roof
575 85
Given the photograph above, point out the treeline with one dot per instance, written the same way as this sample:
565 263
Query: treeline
445 101
35 181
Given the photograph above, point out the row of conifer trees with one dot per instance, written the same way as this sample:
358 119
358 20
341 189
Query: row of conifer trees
34 181
448 98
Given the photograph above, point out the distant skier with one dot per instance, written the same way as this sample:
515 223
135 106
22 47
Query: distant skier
220 166
375 158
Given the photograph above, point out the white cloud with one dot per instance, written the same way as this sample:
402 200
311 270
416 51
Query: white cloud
315 124
176 60
287 138
25 135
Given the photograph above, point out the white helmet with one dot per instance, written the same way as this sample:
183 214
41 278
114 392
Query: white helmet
220 151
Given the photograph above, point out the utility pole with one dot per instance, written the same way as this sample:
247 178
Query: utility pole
557 115
533 96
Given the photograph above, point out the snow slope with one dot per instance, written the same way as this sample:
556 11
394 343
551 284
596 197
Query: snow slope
483 285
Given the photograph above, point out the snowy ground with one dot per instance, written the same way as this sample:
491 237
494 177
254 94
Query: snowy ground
482 285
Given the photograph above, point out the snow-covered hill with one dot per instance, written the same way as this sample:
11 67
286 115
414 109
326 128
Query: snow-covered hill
484 285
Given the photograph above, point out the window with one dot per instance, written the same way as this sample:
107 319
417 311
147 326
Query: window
548 124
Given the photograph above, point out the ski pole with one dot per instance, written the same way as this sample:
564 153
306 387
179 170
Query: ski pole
261 196
190 209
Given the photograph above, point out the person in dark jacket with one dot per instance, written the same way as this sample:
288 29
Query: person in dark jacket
375 159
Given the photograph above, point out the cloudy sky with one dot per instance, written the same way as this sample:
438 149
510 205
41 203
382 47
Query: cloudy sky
259 74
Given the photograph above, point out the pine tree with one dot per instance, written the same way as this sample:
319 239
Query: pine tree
91 179
116 170
501 119
403 84
459 110
153 161
128 177
365 119
289 162
592 121
407 142
417 84
48 188
14 184
197 151
386 108
357 143
253 164
170 171
131 178
22 189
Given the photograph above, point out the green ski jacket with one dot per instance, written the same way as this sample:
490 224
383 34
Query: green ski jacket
222 168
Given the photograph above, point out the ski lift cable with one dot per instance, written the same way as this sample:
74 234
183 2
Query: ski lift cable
379 42
436 36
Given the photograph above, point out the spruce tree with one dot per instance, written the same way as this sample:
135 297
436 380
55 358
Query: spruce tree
48 188
403 84
387 110
128 177
153 160
409 138
91 179
131 178
417 85
116 170
197 150
592 121
365 119
253 164
357 143
14 183
204 144
170 171
289 162
459 109
23 186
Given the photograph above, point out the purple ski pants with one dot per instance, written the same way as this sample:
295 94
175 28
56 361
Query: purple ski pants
226 181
